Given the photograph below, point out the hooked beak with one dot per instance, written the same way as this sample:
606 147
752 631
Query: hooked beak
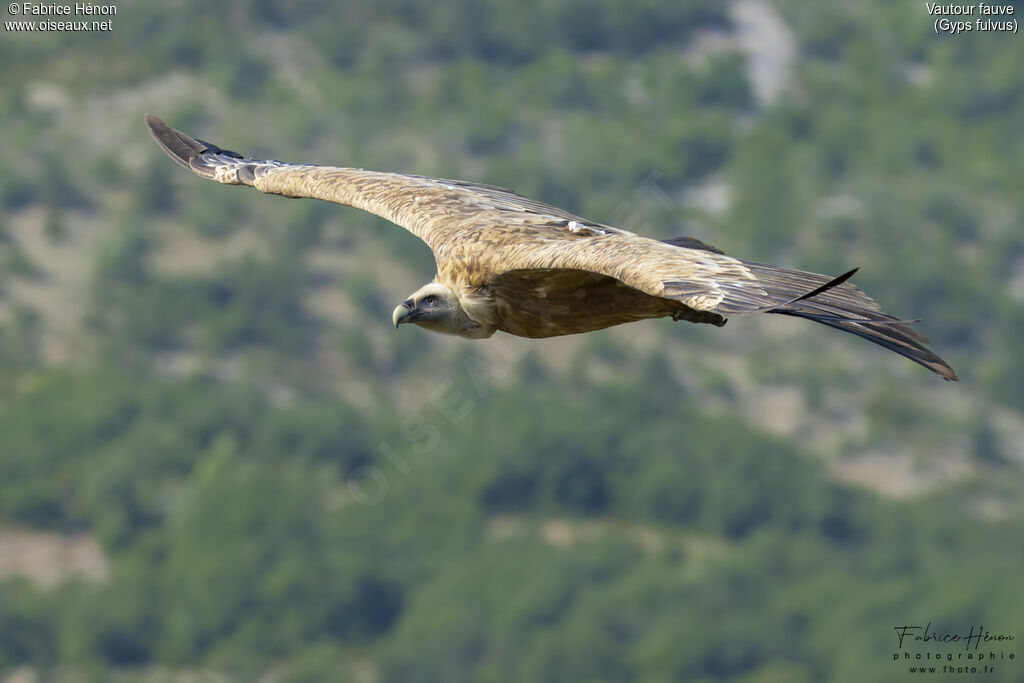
404 313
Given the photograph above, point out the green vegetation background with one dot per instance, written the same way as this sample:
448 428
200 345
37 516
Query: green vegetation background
203 380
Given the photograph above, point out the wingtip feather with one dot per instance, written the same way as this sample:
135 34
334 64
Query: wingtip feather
179 146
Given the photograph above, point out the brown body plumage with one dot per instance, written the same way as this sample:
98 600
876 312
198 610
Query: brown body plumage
508 263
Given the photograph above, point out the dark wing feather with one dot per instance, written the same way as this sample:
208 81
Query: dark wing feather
688 242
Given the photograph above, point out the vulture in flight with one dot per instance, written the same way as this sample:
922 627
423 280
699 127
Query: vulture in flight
509 263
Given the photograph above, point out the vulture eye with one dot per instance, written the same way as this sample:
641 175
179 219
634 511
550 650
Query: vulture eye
430 300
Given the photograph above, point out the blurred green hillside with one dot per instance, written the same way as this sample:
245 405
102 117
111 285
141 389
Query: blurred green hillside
220 462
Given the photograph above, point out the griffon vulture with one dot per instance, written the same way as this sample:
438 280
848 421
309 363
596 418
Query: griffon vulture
509 263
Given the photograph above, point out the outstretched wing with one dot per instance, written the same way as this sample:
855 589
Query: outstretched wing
434 209
705 280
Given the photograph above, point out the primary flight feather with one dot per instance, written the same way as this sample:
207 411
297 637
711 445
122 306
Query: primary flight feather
508 263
